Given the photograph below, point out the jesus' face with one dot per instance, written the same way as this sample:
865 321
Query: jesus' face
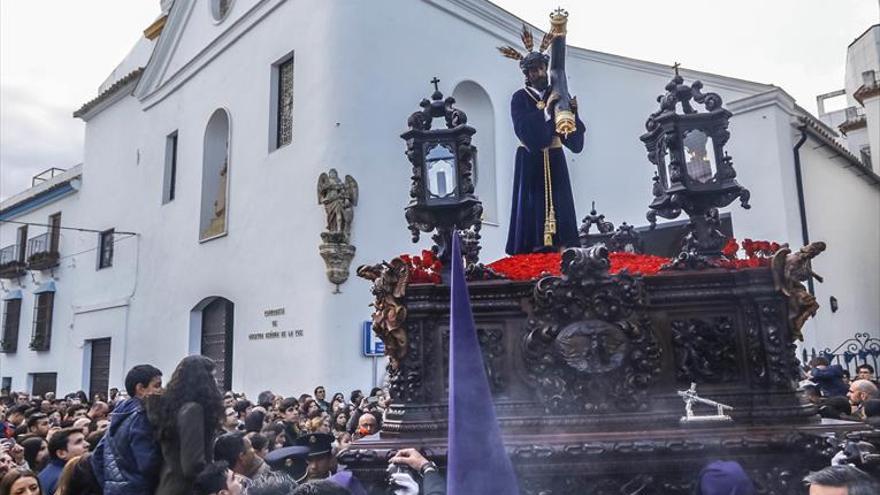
538 76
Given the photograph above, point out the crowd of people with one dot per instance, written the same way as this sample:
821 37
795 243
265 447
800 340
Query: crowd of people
839 396
188 437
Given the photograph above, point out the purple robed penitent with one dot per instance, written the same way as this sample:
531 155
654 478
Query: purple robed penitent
477 462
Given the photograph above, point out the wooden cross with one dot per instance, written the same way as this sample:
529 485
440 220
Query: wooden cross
435 81
675 66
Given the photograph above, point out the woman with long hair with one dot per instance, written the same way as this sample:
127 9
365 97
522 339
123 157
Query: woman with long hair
187 417
36 453
78 478
20 481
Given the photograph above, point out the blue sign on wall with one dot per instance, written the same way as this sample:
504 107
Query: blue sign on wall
372 346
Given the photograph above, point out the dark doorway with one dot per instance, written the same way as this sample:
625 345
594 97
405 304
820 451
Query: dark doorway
99 368
44 382
217 318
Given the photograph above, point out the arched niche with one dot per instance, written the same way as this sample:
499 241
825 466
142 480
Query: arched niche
215 177
475 101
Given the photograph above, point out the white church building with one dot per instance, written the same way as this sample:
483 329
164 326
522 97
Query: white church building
193 224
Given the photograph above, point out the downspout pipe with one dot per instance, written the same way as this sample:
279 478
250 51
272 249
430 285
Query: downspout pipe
802 207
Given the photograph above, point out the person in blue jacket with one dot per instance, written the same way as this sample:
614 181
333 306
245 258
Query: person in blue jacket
128 458
828 377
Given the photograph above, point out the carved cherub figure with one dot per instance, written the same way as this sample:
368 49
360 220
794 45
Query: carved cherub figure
389 313
789 270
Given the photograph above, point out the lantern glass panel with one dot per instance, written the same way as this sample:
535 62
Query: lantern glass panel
699 152
440 173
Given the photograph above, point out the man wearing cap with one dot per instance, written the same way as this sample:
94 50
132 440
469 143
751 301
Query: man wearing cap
290 460
321 460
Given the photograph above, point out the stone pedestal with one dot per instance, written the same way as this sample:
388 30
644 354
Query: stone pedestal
337 258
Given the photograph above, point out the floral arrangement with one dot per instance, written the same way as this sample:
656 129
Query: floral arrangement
424 269
758 253
532 266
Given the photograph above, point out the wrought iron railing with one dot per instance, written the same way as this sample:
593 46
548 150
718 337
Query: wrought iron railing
38 244
850 354
8 254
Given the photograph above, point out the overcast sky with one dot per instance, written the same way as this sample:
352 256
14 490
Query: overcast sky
55 53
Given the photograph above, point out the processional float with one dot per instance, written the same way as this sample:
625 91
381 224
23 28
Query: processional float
587 367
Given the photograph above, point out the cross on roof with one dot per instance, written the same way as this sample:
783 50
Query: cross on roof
675 66
435 81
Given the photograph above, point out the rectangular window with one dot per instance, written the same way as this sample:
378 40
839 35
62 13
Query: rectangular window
6 386
11 318
21 242
43 383
54 232
105 249
282 102
42 333
169 185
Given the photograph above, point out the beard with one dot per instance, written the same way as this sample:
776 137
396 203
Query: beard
540 83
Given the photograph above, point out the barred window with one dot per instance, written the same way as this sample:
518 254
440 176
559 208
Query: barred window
42 333
105 249
11 317
283 102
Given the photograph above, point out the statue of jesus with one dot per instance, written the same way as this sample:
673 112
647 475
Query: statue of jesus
542 216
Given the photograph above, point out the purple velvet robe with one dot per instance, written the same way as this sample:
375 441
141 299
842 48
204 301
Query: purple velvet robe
535 132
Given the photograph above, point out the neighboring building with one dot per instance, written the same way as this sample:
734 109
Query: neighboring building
859 121
207 141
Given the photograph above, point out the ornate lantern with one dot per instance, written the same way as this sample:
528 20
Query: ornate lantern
442 191
694 173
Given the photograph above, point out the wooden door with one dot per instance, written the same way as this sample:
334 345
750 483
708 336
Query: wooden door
99 368
217 320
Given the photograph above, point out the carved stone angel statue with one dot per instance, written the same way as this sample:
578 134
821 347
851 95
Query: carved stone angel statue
339 199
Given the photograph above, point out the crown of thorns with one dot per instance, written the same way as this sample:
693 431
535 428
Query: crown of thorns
531 57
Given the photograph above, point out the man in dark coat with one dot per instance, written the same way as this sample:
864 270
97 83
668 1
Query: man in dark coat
128 458
538 156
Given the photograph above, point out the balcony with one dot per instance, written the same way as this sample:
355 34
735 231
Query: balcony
42 252
12 265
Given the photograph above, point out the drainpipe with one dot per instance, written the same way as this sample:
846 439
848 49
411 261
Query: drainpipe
802 208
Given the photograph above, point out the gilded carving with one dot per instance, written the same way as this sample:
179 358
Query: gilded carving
389 312
789 271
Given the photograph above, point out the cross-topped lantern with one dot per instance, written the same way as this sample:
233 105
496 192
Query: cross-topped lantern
694 173
442 191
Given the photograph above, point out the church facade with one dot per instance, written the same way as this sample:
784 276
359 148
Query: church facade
203 149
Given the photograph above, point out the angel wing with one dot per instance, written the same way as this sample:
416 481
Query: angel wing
351 186
323 179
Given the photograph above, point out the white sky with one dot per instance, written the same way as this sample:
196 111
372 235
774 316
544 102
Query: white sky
55 53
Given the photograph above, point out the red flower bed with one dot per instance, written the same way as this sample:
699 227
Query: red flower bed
758 254
424 269
532 266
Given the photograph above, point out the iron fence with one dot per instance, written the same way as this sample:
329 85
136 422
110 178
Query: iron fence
849 354
38 244
8 254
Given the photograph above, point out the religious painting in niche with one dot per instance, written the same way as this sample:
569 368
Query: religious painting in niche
285 103
440 168
215 177
700 156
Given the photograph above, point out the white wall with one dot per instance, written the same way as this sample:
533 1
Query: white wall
360 70
842 210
